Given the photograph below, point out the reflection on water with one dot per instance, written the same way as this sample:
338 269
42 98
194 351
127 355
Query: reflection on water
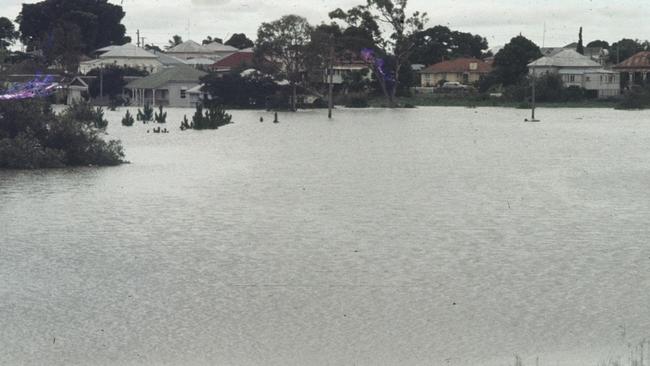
420 237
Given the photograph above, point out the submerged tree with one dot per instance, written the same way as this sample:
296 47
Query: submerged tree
396 44
33 137
146 114
211 118
128 119
160 116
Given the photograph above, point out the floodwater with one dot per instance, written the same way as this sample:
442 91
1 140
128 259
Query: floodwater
432 236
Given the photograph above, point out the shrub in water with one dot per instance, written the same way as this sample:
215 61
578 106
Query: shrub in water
32 137
213 117
128 119
161 117
82 111
185 124
145 115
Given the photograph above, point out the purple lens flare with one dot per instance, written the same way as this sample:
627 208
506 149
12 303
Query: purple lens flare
39 87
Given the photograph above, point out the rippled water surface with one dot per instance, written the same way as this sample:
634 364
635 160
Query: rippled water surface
434 236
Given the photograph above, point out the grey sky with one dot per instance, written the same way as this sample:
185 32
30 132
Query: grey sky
497 20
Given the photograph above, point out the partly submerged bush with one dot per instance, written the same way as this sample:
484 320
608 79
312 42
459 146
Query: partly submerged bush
128 119
32 137
185 124
84 112
160 116
213 117
146 114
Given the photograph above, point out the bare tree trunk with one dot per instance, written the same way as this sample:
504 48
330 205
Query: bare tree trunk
384 89
293 97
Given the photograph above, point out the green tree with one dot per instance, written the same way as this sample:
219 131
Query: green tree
8 33
580 48
440 43
396 42
98 23
66 47
283 43
209 40
112 80
511 62
175 41
626 48
236 91
33 137
240 41
598 43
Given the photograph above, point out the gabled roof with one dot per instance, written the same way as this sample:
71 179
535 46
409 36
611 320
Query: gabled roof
565 58
459 65
199 61
218 47
105 49
128 51
189 47
168 60
235 60
640 60
174 74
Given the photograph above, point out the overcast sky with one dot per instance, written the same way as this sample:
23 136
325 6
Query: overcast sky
497 20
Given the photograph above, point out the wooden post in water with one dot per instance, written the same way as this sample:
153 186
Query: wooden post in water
330 76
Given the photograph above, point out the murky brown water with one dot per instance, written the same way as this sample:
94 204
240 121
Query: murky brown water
436 236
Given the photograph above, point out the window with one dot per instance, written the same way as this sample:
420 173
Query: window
183 93
572 78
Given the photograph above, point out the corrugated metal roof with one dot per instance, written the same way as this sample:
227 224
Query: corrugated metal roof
128 51
218 47
173 74
459 65
189 47
640 60
235 60
565 58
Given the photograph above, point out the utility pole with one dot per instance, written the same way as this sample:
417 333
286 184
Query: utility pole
330 74
138 35
101 82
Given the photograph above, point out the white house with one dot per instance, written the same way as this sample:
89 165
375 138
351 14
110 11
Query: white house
168 87
128 55
578 70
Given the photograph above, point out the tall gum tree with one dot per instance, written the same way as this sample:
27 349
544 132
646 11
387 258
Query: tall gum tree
283 44
392 29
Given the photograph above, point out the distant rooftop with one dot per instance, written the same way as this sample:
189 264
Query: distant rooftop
459 65
218 47
639 60
565 58
189 47
179 74
127 51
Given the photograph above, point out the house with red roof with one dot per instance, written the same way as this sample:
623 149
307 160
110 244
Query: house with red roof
463 70
635 70
233 61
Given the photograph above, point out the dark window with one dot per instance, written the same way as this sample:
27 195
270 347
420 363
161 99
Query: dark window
183 93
